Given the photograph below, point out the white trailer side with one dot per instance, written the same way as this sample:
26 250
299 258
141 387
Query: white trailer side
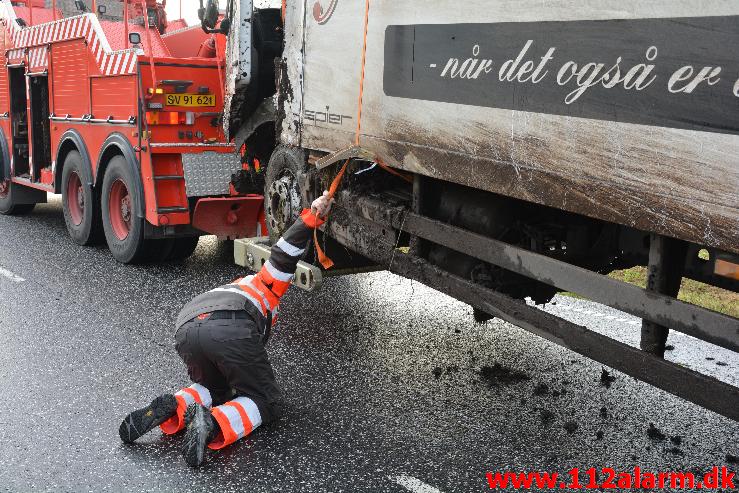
650 158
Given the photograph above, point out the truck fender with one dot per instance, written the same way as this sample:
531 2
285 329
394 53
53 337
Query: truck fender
5 155
266 112
71 140
116 143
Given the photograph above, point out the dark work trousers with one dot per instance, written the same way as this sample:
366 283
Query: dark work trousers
225 354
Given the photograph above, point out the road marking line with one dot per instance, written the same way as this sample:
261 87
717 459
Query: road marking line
412 484
6 273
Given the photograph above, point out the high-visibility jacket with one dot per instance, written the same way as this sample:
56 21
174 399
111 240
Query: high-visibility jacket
259 294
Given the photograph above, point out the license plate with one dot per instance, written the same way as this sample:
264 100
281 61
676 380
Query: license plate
190 99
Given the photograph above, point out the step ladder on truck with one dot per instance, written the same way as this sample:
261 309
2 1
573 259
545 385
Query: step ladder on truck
101 112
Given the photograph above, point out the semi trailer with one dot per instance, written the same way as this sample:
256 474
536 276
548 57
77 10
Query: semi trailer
122 117
506 150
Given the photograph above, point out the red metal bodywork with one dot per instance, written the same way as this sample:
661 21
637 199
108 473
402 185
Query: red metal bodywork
229 217
99 86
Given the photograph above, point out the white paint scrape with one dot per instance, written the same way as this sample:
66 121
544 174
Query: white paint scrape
412 484
9 275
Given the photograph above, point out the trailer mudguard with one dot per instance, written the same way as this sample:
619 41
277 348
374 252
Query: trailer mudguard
71 139
121 144
5 155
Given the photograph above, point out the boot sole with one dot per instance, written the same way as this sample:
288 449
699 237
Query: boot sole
146 419
196 435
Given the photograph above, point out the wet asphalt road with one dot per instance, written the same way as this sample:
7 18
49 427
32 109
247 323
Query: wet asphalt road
380 376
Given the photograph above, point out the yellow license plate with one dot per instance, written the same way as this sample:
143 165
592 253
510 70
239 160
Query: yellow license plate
190 99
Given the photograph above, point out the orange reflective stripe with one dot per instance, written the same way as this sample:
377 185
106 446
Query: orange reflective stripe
258 283
248 427
194 394
254 295
278 287
227 436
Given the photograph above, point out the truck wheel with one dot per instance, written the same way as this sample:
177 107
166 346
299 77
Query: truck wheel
158 251
282 200
124 230
81 212
183 248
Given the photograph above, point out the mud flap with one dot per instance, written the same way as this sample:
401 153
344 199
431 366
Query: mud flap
230 217
28 195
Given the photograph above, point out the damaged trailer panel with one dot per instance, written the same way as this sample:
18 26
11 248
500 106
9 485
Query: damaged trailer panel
623 112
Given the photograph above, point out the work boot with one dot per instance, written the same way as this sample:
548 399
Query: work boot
200 429
146 419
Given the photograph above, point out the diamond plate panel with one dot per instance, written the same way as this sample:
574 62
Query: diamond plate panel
209 173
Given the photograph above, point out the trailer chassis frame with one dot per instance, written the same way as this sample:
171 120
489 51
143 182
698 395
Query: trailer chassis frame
371 227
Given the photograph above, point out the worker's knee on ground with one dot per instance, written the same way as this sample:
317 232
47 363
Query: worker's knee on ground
270 412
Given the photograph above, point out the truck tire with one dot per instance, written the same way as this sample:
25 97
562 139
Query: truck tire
8 207
79 204
124 230
282 198
183 248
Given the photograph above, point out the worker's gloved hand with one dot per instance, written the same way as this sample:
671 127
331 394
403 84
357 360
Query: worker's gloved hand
322 205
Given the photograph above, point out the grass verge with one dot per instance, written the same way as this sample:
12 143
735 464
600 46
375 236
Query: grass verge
695 292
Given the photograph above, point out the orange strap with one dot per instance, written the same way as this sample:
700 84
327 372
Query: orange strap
326 262
361 78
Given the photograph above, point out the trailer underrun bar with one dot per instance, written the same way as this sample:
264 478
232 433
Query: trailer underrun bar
358 214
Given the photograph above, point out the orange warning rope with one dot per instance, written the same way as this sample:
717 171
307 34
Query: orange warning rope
361 78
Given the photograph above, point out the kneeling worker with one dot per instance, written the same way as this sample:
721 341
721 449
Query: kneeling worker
221 337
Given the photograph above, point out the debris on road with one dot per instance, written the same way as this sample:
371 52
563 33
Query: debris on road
570 427
500 375
654 433
541 389
547 417
606 379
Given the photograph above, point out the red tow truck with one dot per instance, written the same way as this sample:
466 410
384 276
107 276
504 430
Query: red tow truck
124 120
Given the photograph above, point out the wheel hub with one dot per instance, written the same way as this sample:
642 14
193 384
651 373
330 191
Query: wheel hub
126 208
283 202
120 209
80 198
